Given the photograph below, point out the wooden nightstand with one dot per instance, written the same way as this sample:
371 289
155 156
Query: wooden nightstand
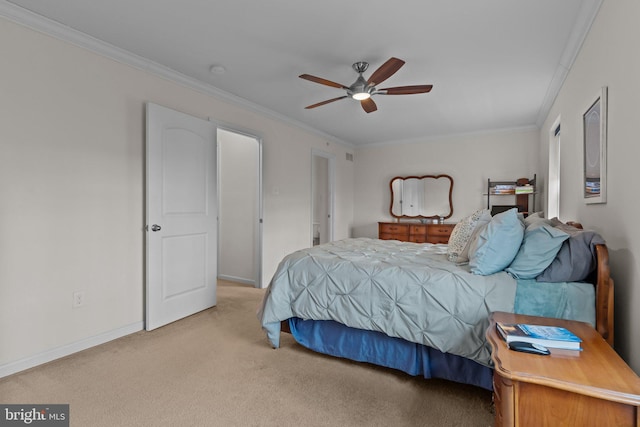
592 387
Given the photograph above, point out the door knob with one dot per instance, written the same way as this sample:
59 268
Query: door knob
156 227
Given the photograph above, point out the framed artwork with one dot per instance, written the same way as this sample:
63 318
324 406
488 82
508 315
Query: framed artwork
594 139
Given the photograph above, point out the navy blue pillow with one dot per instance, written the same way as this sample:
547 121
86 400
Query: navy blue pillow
576 258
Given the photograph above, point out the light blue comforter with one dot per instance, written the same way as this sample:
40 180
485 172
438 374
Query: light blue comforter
405 290
402 289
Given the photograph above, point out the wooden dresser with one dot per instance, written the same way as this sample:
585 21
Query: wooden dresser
415 232
592 387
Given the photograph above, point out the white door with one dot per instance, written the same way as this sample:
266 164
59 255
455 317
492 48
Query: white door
181 210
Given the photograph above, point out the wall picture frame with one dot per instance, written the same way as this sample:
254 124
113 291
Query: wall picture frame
594 139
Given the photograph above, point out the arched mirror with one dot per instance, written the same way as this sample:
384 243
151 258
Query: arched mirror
427 196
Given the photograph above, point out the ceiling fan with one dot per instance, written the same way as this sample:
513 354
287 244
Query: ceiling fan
362 89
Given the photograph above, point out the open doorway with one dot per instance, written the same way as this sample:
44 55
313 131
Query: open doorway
322 179
240 207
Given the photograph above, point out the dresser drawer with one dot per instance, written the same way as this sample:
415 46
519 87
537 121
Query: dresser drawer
438 239
387 227
440 229
393 231
439 233
418 233
418 229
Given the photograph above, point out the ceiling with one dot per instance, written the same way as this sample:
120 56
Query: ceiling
494 64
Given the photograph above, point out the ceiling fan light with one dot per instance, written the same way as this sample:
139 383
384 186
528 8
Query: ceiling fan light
361 96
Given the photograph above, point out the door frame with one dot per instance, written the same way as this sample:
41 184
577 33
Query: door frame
331 167
259 213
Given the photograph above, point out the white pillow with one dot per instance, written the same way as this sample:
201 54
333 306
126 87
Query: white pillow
462 233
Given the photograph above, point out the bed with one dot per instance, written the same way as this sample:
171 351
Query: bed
408 306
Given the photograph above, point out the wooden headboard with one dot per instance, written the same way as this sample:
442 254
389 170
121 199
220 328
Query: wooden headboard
604 291
604 295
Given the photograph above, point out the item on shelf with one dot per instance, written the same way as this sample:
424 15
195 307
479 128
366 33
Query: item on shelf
547 336
503 189
524 189
592 187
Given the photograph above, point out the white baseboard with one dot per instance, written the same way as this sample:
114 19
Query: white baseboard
237 279
56 353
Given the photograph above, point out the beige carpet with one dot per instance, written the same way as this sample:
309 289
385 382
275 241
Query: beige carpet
216 368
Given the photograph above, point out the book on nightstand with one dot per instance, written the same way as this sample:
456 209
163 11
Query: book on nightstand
547 336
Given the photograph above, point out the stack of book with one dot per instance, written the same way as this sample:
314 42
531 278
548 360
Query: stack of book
592 187
503 189
524 189
547 336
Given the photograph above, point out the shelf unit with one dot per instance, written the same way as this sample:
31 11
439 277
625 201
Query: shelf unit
521 200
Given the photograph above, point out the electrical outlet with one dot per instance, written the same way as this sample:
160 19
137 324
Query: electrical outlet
78 299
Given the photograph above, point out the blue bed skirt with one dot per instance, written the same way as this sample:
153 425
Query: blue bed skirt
335 339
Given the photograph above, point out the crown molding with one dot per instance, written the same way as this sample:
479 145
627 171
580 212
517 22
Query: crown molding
77 38
584 20
449 136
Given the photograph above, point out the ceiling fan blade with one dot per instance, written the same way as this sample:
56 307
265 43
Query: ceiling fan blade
405 90
325 102
322 81
368 105
385 71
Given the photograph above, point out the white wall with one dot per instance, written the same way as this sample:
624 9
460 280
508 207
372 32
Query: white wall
72 191
469 159
609 57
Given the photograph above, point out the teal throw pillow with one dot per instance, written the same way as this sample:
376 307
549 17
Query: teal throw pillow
540 245
497 244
